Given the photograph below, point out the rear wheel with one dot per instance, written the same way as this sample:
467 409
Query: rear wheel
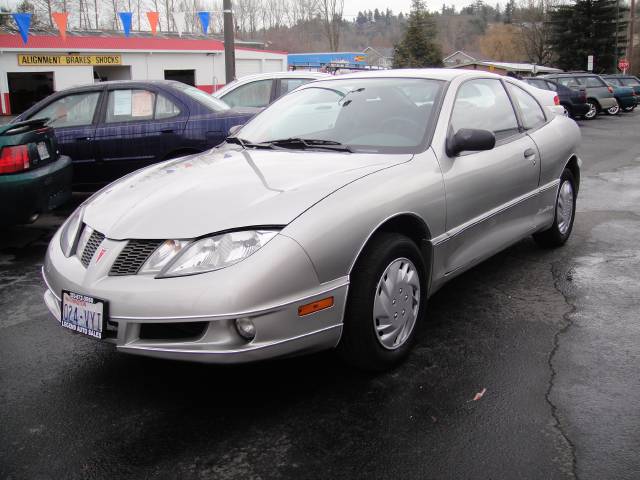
629 109
593 109
568 111
565 210
614 110
386 298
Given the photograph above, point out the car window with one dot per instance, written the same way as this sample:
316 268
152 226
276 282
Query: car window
165 108
614 81
539 84
130 105
532 113
289 84
630 82
552 86
203 98
484 104
591 82
254 94
567 82
71 110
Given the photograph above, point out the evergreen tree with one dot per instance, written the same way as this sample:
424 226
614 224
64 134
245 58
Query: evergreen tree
418 48
588 27
376 15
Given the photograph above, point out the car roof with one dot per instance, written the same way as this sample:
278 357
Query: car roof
446 74
290 74
100 85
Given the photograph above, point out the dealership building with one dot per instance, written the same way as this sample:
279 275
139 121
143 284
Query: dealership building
49 63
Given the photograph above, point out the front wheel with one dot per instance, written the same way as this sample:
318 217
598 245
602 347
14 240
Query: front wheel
614 110
386 299
565 211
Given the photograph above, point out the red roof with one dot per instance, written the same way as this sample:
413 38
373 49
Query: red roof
75 43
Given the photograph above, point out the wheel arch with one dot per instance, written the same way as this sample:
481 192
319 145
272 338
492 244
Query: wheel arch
574 167
412 226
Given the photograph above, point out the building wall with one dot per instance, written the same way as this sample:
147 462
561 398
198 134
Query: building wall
209 68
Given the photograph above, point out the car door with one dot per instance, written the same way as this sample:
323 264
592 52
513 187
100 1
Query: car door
490 195
257 94
73 118
139 126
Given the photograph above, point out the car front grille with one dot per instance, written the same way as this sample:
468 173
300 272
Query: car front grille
93 243
133 257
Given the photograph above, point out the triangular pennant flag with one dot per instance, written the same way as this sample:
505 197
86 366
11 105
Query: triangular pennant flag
178 18
60 18
153 21
23 20
204 20
125 18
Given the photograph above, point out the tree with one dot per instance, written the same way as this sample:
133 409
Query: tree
418 48
502 43
531 19
588 27
331 12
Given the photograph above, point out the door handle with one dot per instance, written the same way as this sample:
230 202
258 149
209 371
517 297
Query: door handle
167 130
83 139
530 154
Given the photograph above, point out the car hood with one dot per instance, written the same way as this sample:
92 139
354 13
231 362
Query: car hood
223 189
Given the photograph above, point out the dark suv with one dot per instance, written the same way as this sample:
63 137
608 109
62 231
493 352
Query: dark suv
600 96
574 101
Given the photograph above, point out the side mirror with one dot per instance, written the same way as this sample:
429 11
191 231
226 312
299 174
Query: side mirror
470 139
235 129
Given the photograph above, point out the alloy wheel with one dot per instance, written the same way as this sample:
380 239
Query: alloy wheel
614 110
593 111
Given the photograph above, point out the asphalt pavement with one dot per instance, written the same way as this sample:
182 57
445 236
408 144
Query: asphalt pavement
552 338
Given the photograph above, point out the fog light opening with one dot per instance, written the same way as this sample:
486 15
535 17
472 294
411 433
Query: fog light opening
246 328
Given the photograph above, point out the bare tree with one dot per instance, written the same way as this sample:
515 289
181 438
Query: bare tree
531 20
331 12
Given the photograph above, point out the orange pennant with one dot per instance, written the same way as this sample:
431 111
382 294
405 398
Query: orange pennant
61 21
153 21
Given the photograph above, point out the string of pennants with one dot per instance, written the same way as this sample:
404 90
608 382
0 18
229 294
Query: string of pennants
23 22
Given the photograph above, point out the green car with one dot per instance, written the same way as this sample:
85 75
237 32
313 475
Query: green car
34 177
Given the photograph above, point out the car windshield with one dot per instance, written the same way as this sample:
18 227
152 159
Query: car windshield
377 115
201 97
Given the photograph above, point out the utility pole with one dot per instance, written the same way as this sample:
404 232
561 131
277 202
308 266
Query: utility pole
229 47
632 21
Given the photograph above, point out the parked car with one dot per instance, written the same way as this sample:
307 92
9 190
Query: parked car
600 96
34 177
322 223
110 129
574 101
624 81
625 96
260 90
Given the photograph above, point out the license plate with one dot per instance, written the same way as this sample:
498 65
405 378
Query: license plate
83 314
43 151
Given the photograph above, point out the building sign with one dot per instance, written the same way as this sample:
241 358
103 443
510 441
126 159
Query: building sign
68 60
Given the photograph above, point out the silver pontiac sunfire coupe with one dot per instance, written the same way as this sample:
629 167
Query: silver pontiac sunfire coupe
325 222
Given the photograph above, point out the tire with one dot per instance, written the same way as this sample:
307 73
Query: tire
569 112
368 342
593 109
629 109
615 110
560 230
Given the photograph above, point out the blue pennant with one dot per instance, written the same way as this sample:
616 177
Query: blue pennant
125 18
204 20
23 20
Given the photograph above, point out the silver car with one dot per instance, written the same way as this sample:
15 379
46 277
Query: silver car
325 222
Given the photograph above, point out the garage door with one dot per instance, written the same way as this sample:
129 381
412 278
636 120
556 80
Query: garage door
245 66
273 65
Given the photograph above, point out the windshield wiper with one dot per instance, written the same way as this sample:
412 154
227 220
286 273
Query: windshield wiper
246 144
309 143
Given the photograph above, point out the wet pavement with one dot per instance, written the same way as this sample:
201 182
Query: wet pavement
553 337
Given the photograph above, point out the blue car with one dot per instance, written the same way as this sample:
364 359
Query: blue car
110 129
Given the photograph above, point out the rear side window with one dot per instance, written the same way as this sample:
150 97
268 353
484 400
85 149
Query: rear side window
539 84
70 111
568 82
552 86
130 105
289 84
591 82
484 104
630 82
254 94
165 108
530 109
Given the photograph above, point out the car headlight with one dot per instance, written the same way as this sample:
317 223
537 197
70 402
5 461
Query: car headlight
69 233
216 252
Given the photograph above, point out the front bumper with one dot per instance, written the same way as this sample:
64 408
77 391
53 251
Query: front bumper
35 191
267 287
